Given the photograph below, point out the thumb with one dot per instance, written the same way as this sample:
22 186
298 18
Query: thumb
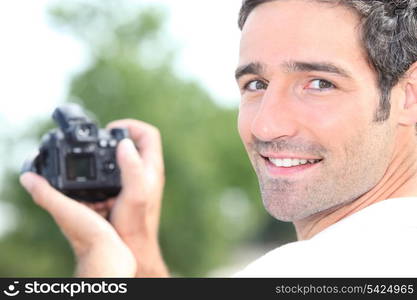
131 169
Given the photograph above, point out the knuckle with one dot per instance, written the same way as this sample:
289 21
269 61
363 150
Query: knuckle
151 129
154 129
122 123
156 132
130 120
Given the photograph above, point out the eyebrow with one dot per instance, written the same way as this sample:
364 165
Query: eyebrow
253 68
299 66
257 68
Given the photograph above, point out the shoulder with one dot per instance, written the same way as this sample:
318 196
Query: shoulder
380 240
283 261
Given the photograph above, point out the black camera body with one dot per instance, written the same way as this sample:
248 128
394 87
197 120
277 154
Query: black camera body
78 158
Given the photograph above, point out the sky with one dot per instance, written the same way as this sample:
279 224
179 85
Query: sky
37 61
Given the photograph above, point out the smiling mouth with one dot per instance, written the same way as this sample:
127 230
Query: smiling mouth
289 166
291 162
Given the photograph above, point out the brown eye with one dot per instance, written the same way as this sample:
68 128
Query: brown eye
320 84
256 85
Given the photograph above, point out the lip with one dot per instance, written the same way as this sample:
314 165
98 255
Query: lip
275 171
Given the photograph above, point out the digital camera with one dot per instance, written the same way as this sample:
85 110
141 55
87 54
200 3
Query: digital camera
78 158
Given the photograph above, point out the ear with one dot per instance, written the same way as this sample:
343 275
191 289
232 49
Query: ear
408 114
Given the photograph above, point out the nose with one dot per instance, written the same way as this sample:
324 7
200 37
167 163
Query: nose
276 116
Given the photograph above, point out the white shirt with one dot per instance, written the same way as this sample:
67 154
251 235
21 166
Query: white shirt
377 241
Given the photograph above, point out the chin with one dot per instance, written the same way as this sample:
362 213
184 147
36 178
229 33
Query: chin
283 213
285 210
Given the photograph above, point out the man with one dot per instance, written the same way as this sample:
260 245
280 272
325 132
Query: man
327 116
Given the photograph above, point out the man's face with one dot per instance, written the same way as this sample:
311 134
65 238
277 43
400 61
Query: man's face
307 110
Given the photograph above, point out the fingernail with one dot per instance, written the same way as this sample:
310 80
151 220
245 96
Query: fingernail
27 181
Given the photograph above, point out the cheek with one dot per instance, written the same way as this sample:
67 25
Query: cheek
337 124
245 118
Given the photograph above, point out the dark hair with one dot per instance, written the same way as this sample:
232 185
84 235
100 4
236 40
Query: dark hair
388 33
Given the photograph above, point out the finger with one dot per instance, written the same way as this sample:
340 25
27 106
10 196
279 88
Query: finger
131 169
71 216
44 195
147 138
99 207
103 213
110 203
95 205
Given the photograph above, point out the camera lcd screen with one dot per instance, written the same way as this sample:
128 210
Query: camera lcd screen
80 167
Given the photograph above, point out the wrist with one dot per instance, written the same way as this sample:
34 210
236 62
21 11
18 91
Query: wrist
148 256
150 264
95 262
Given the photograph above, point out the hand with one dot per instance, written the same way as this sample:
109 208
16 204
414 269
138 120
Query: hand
135 212
98 248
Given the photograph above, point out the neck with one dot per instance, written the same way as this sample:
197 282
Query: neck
399 180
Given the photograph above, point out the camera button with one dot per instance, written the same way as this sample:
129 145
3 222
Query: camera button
113 143
109 166
103 143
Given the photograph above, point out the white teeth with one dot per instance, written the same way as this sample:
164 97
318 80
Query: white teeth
287 162
291 162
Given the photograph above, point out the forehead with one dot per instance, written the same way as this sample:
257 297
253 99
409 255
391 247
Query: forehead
300 30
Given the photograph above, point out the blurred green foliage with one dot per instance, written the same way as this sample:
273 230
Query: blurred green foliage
211 203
